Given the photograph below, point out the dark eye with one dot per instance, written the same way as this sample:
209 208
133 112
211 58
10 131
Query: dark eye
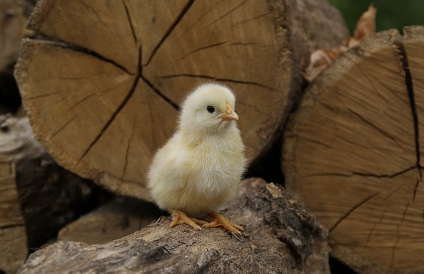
210 109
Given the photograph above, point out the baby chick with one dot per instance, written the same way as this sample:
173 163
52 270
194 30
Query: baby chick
201 166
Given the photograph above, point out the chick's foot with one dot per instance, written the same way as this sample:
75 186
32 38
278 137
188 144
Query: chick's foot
217 220
180 217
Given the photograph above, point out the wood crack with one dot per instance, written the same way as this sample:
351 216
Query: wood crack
352 174
410 88
117 111
218 79
127 151
69 46
169 31
372 125
398 235
224 15
201 48
347 214
130 22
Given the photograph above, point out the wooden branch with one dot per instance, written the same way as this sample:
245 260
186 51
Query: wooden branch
278 238
352 153
102 87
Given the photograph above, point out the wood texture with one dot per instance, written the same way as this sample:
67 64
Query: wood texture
352 153
109 222
279 238
103 85
37 197
12 226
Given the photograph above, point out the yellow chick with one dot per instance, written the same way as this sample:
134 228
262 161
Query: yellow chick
201 166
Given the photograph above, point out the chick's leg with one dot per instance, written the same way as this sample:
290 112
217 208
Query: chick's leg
219 220
180 217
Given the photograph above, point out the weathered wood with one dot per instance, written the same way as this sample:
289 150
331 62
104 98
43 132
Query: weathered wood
37 197
111 221
103 86
352 153
278 239
16 143
13 240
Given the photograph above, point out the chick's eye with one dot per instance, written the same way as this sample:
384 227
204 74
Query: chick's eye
210 109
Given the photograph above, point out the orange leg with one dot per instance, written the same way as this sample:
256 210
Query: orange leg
180 217
219 220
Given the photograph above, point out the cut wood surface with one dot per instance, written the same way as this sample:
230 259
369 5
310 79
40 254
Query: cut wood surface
353 150
103 82
111 221
280 237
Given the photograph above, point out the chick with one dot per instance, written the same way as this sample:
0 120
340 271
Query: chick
201 166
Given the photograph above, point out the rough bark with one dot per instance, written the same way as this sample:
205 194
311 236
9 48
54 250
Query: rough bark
106 79
352 153
278 239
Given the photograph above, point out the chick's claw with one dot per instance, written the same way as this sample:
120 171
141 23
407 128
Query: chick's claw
180 217
217 220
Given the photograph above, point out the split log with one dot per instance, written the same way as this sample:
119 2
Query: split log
111 221
103 84
353 150
279 238
37 197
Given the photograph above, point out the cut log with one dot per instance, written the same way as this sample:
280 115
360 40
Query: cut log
12 227
353 150
278 238
37 197
109 222
103 86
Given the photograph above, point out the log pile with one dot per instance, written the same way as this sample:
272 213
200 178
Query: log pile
111 84
101 83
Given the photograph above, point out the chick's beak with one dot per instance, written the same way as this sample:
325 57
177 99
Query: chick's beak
230 114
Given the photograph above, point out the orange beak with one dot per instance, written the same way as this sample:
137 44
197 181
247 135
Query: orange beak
230 114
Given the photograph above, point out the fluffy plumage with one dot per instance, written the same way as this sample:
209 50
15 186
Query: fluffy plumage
201 166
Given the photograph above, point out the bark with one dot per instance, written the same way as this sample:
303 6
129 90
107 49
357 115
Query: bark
279 238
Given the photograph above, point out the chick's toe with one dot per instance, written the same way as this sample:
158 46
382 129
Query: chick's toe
217 220
180 217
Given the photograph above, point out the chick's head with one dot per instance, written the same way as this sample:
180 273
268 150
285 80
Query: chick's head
210 108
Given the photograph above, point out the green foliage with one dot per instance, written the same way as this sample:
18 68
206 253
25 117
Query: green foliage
390 13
